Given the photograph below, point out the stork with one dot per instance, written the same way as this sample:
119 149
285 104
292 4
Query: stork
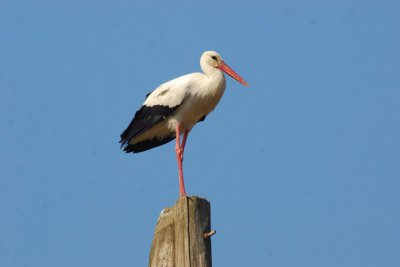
175 107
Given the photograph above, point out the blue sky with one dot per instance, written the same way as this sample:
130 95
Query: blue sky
301 169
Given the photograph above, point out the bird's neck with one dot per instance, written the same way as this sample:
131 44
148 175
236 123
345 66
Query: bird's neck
215 75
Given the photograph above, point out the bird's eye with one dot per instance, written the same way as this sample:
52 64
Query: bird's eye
214 57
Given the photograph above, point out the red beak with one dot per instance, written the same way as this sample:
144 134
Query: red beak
225 68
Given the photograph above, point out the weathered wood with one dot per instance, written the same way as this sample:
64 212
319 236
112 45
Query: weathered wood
182 235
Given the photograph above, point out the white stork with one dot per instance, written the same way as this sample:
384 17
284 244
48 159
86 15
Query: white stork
176 106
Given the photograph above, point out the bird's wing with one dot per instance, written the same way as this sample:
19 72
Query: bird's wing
158 106
169 94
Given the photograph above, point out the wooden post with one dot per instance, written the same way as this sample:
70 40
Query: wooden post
182 235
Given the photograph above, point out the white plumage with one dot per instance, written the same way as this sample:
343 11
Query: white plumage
176 106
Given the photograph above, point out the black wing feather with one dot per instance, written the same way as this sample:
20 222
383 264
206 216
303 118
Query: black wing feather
145 118
202 118
148 144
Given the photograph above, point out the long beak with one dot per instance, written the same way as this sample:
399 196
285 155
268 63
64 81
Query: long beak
225 68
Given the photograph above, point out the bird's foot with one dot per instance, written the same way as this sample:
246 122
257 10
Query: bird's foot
182 193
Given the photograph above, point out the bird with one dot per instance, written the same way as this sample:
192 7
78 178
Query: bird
173 108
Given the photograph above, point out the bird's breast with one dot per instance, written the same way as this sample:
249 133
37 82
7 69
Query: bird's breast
196 105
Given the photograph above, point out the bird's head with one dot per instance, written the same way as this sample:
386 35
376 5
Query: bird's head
213 59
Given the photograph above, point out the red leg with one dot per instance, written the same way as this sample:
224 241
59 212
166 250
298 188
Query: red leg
185 136
179 156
